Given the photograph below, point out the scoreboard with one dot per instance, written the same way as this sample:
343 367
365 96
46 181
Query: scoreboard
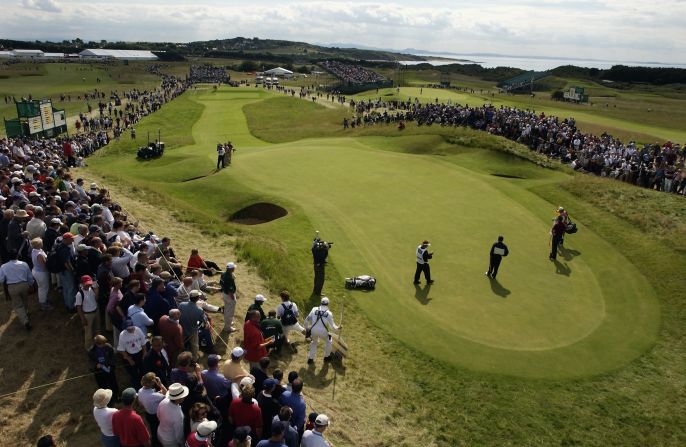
36 118
46 114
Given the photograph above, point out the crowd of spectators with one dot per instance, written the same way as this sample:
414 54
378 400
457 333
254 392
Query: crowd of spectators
145 316
125 109
207 74
656 166
351 74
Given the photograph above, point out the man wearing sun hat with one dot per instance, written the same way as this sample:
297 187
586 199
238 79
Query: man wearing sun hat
103 417
227 282
170 415
200 437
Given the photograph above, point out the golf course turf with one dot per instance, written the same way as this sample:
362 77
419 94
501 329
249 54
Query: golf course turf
589 312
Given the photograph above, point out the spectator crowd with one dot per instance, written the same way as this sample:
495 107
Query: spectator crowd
207 74
656 166
145 315
351 74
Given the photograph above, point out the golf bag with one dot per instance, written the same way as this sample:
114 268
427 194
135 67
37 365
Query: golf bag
571 228
363 282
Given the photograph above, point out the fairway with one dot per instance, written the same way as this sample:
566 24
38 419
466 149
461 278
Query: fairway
589 313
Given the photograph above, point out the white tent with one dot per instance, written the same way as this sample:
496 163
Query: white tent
134 55
279 72
28 53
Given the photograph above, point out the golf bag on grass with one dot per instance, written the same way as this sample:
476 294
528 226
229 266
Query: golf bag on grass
571 228
363 282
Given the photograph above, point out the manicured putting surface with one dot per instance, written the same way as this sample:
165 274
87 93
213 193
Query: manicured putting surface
588 313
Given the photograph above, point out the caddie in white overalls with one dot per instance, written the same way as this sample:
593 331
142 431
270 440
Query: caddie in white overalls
319 322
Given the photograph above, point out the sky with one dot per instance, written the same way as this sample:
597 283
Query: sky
626 30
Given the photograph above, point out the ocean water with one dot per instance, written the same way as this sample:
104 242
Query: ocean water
534 63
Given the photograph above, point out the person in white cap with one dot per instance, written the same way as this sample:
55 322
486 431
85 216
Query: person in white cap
200 437
315 438
233 369
257 305
227 282
103 417
318 324
170 415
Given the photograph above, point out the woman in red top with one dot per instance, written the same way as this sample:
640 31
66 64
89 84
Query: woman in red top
195 262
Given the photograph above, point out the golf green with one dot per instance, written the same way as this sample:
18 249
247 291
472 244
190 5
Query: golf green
588 313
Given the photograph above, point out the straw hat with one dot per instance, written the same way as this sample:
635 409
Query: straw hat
102 397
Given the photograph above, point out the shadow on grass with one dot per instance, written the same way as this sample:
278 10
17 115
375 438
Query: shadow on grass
55 405
567 254
498 288
562 268
422 293
314 378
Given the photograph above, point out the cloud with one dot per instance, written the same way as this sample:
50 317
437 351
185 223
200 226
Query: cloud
604 29
42 5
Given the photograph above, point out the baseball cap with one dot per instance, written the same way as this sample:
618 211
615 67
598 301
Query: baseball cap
260 298
55 220
128 323
237 352
213 360
128 396
93 229
325 301
425 242
85 279
82 247
322 420
68 236
205 428
230 265
247 380
195 293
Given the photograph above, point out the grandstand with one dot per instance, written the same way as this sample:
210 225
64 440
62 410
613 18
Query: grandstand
524 81
354 78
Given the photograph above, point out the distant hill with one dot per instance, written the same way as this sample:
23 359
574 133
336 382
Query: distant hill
237 47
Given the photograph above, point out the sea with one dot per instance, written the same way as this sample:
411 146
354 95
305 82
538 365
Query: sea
531 62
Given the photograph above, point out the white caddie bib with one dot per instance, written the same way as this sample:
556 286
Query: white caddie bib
420 254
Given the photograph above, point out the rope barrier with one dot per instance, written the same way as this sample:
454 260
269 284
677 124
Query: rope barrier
2 396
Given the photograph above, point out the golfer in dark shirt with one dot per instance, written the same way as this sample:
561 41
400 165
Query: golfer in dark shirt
557 232
498 250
